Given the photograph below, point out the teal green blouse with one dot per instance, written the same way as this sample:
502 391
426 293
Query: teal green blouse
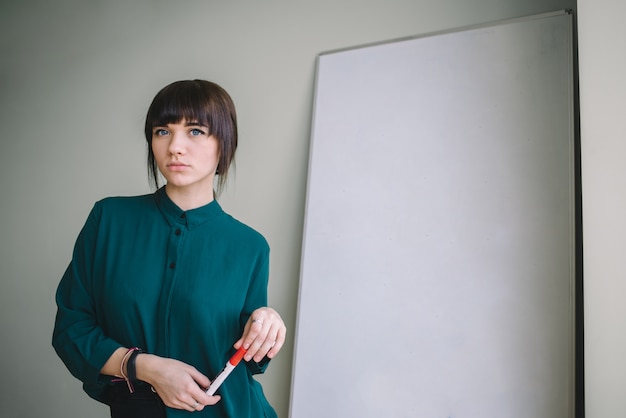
178 284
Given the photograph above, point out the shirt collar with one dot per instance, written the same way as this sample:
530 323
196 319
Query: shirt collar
191 218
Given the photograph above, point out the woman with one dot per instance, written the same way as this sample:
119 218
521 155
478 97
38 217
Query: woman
163 288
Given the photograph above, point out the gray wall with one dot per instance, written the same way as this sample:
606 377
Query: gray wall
75 81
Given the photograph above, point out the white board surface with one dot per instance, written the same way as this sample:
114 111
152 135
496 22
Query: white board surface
438 256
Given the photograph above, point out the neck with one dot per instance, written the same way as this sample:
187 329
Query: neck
187 199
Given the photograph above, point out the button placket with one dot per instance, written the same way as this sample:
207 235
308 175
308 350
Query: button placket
177 235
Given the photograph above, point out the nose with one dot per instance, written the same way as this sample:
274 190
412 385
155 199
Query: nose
177 143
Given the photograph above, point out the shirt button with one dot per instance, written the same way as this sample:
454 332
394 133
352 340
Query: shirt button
177 232
172 265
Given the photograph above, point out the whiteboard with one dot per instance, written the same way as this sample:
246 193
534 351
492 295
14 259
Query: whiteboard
438 260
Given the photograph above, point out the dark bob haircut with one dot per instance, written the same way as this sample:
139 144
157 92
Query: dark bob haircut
200 101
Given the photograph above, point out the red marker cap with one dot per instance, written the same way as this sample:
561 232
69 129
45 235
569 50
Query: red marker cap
236 358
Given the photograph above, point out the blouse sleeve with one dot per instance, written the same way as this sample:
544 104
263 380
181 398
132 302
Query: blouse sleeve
257 298
77 337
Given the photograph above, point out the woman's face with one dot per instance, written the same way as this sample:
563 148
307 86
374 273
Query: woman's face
186 155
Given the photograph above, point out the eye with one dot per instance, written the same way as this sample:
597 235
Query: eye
196 132
160 132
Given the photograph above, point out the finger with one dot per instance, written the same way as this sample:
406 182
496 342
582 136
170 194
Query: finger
198 400
200 379
256 323
263 330
186 403
203 399
192 397
194 406
238 343
253 331
270 343
198 393
277 339
264 348
265 342
278 342
255 350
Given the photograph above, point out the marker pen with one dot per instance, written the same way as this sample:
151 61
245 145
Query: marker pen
230 366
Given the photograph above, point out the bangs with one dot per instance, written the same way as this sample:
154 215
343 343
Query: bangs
178 103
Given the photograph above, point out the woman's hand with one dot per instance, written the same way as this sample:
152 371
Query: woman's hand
178 384
263 335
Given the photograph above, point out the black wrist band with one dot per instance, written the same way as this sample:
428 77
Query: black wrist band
131 370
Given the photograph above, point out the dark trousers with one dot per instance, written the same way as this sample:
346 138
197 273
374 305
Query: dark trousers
143 403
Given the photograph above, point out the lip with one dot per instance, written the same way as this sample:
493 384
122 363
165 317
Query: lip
177 166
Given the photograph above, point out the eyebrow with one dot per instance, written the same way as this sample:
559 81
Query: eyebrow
195 123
